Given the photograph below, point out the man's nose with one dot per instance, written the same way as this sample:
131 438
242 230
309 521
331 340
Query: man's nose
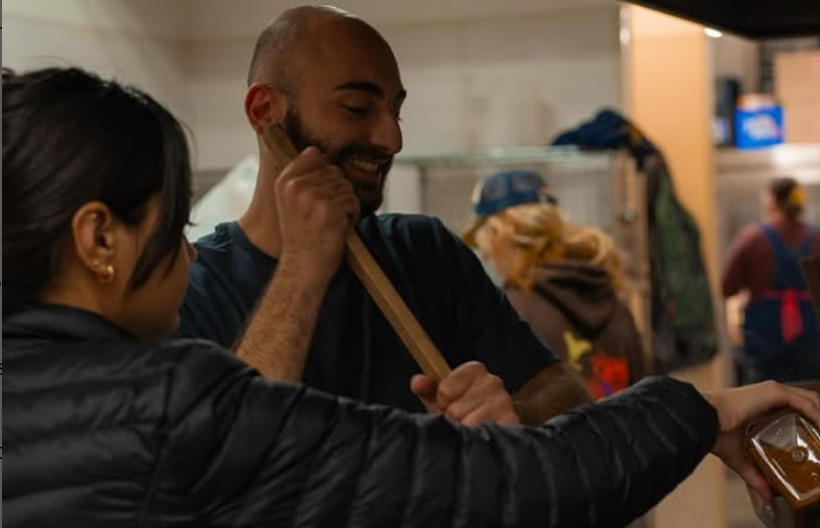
387 134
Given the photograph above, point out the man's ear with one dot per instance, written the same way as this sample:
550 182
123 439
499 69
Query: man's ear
94 238
264 105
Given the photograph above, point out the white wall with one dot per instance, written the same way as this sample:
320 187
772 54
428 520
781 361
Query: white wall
480 83
135 41
209 19
486 80
144 17
737 57
215 73
506 81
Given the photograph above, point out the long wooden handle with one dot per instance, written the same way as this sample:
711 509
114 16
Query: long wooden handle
375 281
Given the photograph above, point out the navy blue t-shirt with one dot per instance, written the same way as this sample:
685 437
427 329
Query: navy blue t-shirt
355 352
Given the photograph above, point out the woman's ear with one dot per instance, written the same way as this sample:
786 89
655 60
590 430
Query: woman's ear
264 105
95 238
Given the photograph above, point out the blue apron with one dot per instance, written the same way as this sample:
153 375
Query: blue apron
781 337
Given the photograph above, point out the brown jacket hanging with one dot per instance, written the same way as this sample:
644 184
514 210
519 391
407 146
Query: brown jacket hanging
574 309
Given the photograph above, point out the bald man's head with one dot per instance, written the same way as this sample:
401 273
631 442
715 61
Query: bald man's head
332 81
277 50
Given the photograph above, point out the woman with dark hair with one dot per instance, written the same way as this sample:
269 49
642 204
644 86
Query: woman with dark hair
111 167
107 423
781 337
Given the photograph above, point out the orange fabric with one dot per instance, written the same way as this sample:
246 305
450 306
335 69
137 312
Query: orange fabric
791 323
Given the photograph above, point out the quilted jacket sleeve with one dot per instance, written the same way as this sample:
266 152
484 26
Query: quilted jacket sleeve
246 452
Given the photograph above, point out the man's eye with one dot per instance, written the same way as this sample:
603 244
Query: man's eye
359 111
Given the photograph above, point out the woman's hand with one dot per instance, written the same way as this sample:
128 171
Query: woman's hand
736 407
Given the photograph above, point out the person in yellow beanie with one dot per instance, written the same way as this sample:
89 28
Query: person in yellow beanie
781 338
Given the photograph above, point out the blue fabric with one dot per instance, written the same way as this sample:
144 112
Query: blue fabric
787 261
765 355
608 130
507 189
355 351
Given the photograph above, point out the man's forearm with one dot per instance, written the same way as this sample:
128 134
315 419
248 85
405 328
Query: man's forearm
548 393
278 335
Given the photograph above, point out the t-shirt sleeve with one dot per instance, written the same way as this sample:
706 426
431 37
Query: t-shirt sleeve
212 308
489 328
735 274
197 319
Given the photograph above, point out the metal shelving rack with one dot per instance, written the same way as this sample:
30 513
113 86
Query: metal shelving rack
600 188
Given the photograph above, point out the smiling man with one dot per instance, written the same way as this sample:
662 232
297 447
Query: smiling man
274 285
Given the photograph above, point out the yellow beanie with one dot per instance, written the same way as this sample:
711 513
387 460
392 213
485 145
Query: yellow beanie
797 197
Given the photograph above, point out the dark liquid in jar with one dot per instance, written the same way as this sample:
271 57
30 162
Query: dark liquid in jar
798 464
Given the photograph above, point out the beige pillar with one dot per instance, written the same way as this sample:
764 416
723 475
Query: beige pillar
669 97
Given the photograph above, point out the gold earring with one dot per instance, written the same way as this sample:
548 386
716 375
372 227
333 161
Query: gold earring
106 274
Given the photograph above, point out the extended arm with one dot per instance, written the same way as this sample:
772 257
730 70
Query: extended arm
271 454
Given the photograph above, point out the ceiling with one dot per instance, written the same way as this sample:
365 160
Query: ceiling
756 19
218 19
197 20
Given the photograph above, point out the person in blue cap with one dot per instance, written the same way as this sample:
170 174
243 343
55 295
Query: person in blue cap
564 279
276 281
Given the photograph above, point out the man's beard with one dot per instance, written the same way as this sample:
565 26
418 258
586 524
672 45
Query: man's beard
370 197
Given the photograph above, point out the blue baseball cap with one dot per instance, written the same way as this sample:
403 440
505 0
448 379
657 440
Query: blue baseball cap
505 189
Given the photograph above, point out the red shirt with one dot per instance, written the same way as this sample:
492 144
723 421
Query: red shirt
750 263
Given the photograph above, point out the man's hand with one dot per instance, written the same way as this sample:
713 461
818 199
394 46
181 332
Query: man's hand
469 395
317 206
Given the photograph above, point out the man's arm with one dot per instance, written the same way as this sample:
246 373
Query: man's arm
316 206
735 274
278 335
551 391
